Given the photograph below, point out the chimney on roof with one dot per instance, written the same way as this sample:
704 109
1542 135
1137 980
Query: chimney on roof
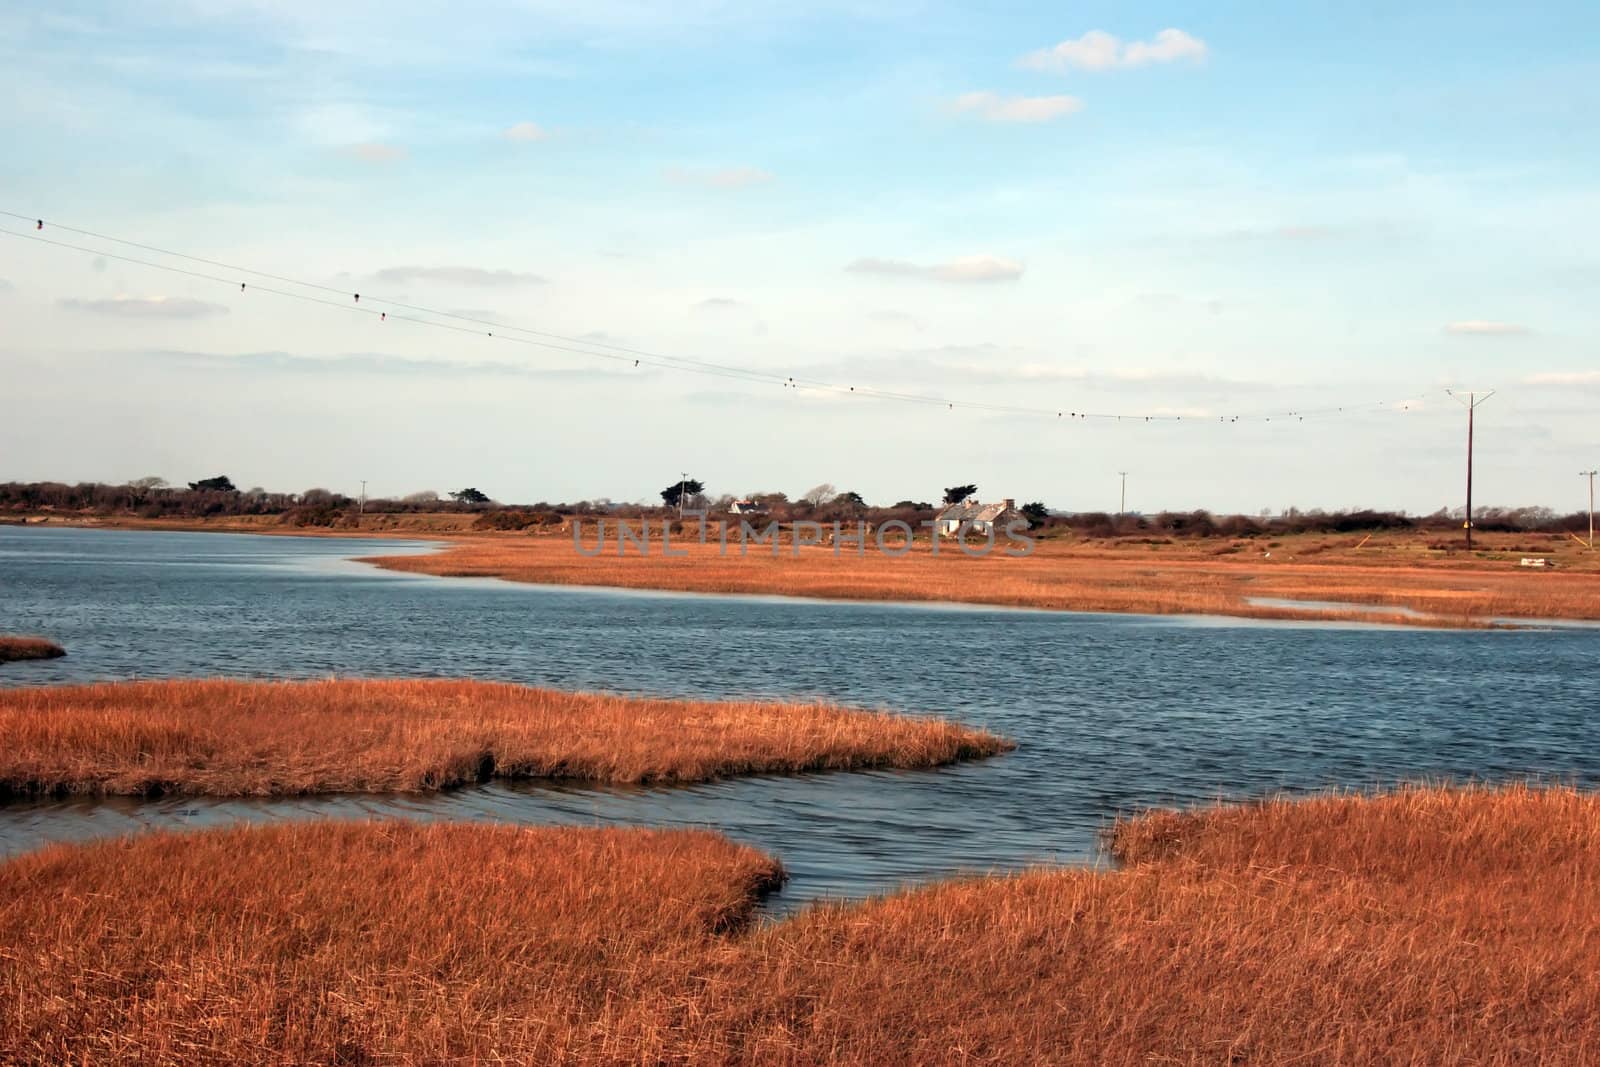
1011 505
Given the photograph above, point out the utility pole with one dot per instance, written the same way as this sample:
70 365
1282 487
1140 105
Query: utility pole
683 480
1590 475
361 505
1122 505
1472 401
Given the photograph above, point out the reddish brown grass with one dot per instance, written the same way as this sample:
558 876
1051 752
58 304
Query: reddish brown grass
1431 926
355 943
1155 574
1115 576
14 647
270 738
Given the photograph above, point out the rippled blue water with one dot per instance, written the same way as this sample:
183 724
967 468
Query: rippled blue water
1111 713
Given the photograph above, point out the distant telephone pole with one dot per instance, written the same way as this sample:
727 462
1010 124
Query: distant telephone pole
361 505
1590 475
683 480
1472 401
1122 504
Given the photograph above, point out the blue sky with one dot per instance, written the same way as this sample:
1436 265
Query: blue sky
1196 209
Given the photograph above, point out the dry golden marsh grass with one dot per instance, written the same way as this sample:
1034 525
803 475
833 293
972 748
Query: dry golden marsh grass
229 738
1420 570
1213 576
1430 926
14 647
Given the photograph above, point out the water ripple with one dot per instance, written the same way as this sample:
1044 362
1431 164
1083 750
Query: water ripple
1111 713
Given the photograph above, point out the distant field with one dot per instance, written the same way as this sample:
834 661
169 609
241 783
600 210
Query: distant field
1431 926
231 738
1159 576
1404 571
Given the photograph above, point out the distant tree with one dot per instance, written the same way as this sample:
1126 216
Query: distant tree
914 505
316 498
140 490
819 495
425 496
686 486
852 499
469 495
957 493
1036 514
220 484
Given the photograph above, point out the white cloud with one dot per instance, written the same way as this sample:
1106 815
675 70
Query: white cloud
1289 232
147 307
1095 50
375 152
986 364
980 268
1481 328
993 107
474 277
1575 377
891 317
1098 50
1169 46
1157 300
337 123
526 132
383 363
726 178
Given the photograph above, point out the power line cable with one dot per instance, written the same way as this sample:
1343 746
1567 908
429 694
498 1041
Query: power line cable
617 353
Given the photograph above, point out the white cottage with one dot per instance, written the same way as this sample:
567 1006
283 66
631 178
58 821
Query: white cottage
981 519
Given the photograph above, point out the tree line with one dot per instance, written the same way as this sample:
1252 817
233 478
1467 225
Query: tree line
217 496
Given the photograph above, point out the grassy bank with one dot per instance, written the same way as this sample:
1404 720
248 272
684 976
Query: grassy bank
229 738
1218 577
1430 926
14 648
1401 570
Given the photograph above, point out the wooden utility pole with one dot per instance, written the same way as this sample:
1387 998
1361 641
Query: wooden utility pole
1122 506
361 506
1472 401
1590 475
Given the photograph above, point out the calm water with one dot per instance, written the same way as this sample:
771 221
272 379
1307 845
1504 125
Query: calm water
1111 713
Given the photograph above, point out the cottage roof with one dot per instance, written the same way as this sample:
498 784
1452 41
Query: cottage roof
988 512
972 512
957 512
